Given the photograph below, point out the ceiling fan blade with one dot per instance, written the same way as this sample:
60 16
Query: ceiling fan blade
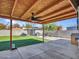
34 18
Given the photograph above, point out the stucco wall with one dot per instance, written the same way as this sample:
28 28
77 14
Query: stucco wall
66 33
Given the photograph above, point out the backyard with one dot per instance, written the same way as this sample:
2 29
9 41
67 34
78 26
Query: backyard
19 41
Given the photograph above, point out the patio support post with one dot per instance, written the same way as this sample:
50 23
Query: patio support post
11 33
43 31
12 11
77 18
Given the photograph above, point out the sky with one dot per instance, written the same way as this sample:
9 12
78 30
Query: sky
67 23
21 23
64 23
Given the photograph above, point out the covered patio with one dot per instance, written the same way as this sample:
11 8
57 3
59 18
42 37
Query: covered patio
46 11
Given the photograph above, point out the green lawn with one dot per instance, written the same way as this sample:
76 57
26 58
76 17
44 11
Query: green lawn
19 41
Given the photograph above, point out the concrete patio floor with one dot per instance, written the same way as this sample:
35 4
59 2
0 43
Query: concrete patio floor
58 49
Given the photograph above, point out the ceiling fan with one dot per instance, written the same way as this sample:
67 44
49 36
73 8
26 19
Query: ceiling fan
34 18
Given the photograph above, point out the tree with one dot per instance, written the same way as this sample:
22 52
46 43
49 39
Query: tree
51 27
16 26
59 28
2 26
28 26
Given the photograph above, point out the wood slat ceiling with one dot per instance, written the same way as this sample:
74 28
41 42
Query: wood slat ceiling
47 10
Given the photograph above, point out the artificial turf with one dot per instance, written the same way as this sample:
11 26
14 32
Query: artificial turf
19 41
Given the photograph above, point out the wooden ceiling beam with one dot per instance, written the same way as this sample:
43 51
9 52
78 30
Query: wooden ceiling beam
61 19
13 7
59 13
27 9
55 7
73 4
56 11
13 18
49 6
50 19
8 17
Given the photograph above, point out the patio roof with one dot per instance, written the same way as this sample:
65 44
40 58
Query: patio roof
47 10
